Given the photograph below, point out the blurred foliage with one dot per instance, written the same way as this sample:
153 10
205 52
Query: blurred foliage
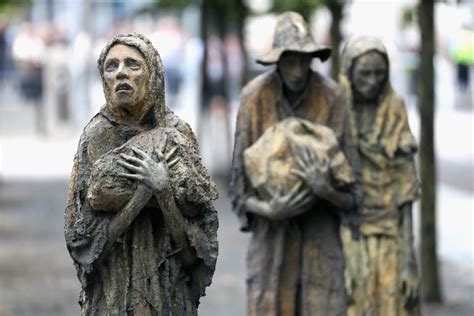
10 7
408 16
172 4
304 7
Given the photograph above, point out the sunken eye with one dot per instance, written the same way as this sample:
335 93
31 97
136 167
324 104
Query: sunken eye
111 65
133 64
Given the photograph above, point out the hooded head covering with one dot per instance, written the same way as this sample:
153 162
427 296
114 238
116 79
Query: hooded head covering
156 84
390 129
354 49
386 144
292 33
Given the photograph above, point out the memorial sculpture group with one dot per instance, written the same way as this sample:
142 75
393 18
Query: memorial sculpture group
322 177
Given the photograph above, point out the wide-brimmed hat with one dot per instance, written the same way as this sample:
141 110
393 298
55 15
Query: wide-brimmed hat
292 34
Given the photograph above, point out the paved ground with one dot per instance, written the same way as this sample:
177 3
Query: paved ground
37 277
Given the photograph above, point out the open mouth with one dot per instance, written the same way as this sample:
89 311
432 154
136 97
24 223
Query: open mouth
123 87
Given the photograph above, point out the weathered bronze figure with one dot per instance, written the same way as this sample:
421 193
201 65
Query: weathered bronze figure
295 260
139 223
381 266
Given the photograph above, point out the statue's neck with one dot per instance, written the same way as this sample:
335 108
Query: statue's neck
294 97
133 116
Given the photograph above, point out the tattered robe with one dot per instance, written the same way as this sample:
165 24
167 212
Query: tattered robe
141 274
294 266
387 149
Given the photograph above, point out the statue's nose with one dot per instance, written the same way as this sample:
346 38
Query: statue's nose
121 72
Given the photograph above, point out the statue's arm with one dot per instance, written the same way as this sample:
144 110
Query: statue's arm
409 281
175 222
155 176
240 190
407 231
122 220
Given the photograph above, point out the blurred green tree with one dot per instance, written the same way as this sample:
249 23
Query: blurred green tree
12 7
431 289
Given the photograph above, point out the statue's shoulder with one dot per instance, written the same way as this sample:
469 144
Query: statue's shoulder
97 127
396 101
328 84
173 121
265 82
98 137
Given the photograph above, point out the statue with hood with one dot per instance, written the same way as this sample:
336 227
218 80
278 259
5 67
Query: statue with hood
381 266
139 222
295 261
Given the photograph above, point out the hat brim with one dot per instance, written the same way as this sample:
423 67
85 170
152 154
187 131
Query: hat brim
274 54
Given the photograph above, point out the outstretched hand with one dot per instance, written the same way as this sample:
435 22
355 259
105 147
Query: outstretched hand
313 170
154 174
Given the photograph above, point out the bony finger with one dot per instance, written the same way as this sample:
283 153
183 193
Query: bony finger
295 188
171 153
163 141
300 162
129 166
132 159
301 196
140 152
310 155
303 203
173 162
298 173
159 155
132 176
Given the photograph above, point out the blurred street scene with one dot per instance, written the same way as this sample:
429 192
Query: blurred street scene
50 88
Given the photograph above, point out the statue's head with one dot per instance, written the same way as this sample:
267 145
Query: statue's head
132 73
365 65
294 68
293 49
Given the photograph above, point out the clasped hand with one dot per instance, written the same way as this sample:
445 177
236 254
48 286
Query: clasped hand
313 170
154 174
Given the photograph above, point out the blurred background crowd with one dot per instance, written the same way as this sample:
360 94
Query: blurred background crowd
50 88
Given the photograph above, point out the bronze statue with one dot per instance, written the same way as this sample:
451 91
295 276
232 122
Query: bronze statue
139 222
295 260
381 265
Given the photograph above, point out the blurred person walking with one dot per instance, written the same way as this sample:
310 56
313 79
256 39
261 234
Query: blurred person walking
28 50
463 56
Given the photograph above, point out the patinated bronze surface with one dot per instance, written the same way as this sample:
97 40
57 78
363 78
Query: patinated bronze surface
381 267
139 224
295 260
271 163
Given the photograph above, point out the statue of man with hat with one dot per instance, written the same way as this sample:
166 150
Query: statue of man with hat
295 262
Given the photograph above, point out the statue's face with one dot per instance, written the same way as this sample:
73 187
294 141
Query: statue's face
369 74
294 68
126 76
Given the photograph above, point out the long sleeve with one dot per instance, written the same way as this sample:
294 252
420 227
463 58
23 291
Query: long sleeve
85 229
349 147
240 188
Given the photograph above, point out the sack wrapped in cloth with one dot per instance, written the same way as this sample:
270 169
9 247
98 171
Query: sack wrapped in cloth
110 192
268 162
